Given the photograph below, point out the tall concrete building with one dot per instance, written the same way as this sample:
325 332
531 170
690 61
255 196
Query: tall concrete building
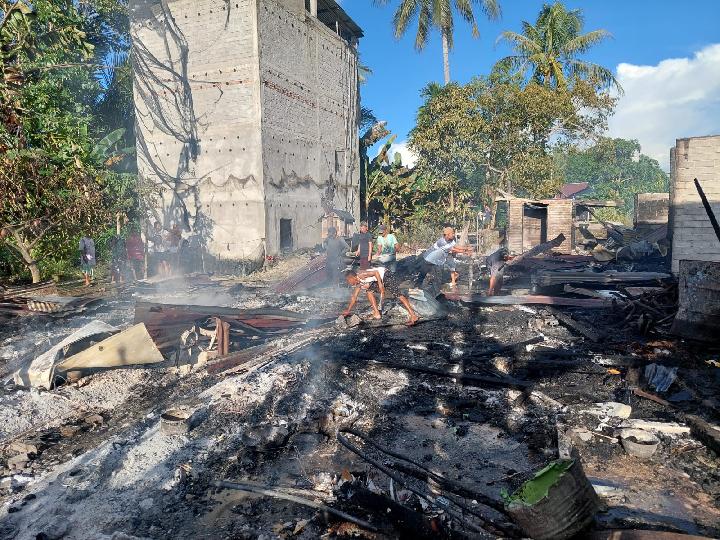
247 114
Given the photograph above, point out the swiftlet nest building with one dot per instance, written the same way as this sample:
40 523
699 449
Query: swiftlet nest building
247 119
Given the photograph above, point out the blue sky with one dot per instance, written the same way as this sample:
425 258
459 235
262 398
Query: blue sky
662 51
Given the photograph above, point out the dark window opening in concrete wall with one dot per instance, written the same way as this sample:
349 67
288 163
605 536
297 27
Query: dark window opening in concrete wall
307 5
286 238
535 219
339 155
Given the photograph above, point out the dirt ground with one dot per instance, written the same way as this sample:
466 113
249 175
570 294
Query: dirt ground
105 469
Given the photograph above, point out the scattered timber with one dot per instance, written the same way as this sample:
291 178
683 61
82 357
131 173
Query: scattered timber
548 278
277 494
585 330
538 250
469 379
510 300
400 481
166 322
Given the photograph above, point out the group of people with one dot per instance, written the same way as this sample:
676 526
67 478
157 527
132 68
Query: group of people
127 256
168 253
381 278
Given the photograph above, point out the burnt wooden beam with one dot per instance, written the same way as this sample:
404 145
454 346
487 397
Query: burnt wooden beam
510 300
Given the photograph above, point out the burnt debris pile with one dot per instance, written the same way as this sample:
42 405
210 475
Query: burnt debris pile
544 395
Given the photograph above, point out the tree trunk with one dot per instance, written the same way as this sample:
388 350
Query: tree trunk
34 272
22 248
446 55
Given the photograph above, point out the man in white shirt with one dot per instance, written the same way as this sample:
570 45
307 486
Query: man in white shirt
440 254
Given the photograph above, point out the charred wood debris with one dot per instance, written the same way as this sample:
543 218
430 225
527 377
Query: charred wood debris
432 431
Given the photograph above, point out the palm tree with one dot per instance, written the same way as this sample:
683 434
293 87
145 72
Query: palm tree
439 14
551 46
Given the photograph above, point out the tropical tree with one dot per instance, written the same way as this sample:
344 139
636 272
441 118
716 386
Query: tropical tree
53 175
439 14
616 169
548 51
496 133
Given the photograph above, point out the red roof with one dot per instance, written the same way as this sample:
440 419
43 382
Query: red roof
568 191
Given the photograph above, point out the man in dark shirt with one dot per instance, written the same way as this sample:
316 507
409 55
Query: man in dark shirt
335 249
364 250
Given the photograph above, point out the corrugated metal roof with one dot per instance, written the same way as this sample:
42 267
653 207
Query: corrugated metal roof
329 12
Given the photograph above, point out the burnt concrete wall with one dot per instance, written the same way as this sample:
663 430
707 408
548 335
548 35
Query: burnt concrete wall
693 237
309 121
247 113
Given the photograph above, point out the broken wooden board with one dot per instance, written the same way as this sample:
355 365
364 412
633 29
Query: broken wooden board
585 330
589 303
54 303
166 322
549 278
706 433
131 347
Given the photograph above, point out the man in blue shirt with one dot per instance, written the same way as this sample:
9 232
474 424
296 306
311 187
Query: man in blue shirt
440 254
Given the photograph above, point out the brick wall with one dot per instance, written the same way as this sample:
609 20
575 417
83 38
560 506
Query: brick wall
245 110
198 111
651 208
309 120
693 237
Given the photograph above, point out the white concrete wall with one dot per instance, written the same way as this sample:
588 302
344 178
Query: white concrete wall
309 120
243 109
693 237
208 100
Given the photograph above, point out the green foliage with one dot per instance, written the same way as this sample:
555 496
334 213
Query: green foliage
549 49
494 133
53 170
615 169
391 188
440 15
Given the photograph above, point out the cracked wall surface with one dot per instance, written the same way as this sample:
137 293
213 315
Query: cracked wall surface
247 114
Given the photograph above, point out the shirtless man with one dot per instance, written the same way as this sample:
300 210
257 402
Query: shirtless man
377 279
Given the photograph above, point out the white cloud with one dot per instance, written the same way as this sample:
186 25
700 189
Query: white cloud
409 158
679 97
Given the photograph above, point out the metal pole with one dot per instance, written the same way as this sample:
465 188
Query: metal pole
708 209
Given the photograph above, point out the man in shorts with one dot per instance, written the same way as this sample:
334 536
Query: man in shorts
377 280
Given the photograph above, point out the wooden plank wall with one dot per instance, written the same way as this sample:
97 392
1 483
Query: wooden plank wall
560 220
515 226
693 237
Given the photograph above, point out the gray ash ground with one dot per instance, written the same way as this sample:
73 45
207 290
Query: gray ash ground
124 476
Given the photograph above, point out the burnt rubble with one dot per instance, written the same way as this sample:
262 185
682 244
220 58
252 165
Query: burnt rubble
269 418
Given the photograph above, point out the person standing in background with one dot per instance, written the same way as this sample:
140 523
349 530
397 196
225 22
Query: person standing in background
335 249
118 259
365 247
135 251
158 241
387 248
87 258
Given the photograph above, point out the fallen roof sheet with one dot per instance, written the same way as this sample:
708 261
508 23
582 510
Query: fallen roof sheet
39 373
